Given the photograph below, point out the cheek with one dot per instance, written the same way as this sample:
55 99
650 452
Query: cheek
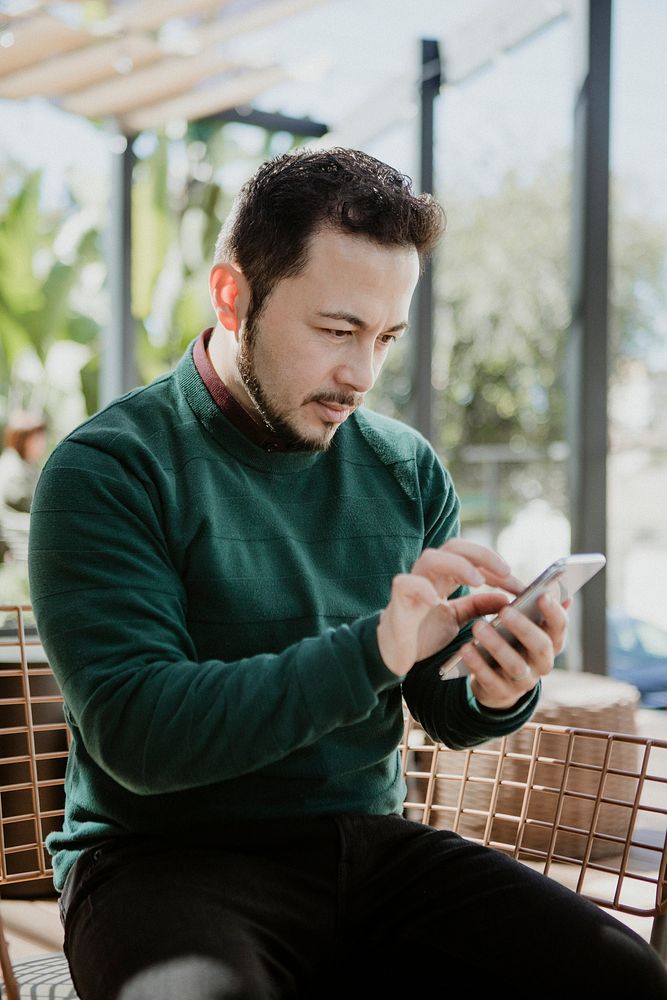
378 363
279 374
307 365
380 358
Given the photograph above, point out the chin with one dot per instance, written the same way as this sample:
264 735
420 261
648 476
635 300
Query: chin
320 443
310 440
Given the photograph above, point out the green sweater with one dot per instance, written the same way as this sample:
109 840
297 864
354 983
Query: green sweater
209 611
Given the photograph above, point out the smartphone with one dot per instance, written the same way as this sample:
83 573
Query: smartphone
561 580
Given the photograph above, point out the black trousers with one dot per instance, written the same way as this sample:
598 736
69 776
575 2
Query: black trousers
343 906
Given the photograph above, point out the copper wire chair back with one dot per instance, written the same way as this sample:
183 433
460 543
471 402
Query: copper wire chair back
34 745
586 807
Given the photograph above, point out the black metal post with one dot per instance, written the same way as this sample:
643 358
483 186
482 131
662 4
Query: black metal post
430 83
272 121
588 364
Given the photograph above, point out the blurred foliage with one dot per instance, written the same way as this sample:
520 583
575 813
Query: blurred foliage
503 311
43 260
502 316
180 197
14 586
501 298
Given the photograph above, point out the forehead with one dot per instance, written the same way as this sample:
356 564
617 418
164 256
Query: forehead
338 258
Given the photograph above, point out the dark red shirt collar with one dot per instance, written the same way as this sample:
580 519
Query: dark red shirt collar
258 433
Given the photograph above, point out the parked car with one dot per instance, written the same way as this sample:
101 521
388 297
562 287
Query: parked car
637 653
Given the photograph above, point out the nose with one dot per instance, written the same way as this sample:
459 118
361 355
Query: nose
360 368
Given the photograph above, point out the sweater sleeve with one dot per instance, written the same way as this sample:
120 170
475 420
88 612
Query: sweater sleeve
448 714
112 614
448 710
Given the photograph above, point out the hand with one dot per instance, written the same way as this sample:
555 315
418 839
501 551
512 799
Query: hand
419 620
516 671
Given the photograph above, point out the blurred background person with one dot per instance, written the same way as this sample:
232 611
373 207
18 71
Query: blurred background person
24 447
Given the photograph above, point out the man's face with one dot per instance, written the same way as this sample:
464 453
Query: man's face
323 335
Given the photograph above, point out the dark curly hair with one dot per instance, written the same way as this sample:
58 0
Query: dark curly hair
291 197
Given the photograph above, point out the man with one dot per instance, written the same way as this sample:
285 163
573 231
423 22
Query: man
238 572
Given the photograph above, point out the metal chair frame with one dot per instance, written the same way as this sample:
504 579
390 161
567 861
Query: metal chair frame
34 744
545 794
586 807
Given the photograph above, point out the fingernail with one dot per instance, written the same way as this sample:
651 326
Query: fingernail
476 577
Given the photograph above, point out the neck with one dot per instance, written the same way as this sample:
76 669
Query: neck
222 353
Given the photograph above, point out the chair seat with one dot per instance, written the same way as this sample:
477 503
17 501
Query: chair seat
44 977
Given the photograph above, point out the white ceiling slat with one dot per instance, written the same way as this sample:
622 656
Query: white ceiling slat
496 29
63 74
39 38
257 17
393 104
147 86
205 101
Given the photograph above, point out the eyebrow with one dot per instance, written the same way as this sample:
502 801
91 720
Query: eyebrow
358 322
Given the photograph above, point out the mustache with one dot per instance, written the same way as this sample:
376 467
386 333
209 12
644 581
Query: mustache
350 399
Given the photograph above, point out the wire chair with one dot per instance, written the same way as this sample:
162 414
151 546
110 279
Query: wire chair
34 743
588 807
585 806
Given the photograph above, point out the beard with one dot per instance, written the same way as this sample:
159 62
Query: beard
269 410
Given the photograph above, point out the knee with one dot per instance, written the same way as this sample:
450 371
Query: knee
189 977
632 966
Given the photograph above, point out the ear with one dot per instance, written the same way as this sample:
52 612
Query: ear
230 295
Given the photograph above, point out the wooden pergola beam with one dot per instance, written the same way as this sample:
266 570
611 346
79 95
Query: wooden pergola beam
205 101
119 65
172 75
68 72
146 87
39 38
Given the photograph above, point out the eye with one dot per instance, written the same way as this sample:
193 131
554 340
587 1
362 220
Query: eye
338 334
387 339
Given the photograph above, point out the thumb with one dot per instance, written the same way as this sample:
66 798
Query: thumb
478 605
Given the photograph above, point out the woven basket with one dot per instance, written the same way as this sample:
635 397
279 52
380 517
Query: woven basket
589 701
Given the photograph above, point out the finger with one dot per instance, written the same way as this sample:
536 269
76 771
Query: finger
497 572
535 640
493 686
509 582
467 563
477 605
509 659
447 570
555 620
481 556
